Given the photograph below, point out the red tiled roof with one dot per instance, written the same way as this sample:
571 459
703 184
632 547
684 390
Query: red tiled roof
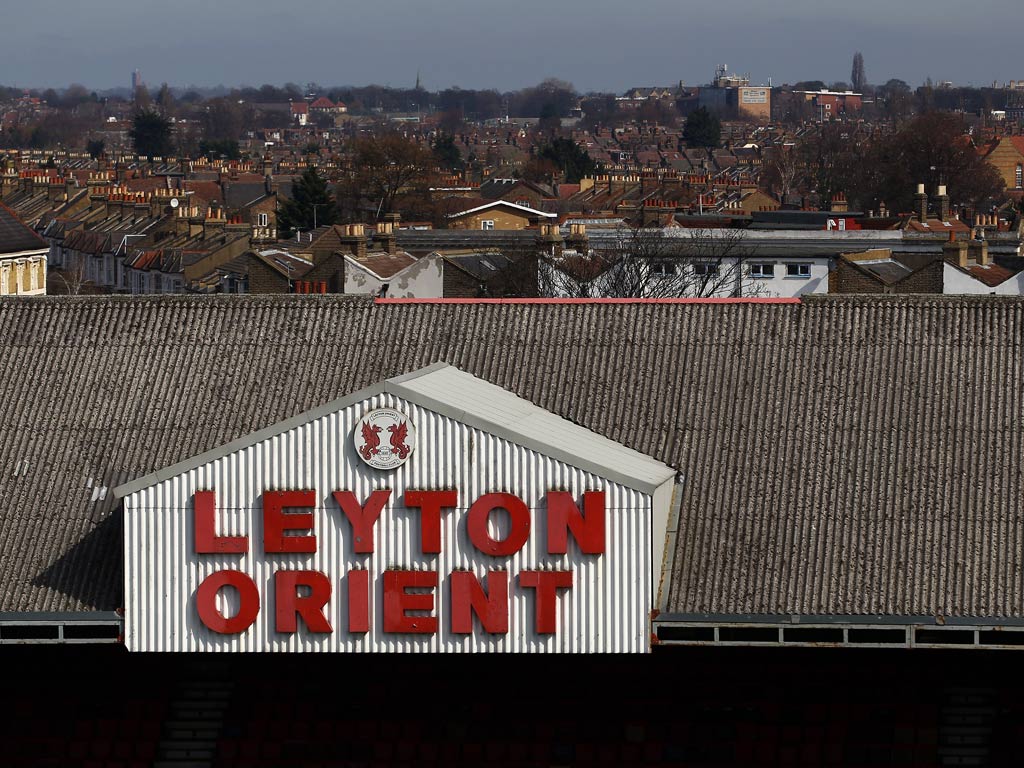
207 191
991 275
938 226
385 264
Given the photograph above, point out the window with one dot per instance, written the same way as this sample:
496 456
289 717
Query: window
1019 175
663 268
487 224
705 270
798 270
262 220
762 270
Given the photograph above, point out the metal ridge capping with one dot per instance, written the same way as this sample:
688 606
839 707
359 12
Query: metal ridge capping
589 301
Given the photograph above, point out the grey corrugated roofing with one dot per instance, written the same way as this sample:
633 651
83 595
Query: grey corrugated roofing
854 456
446 390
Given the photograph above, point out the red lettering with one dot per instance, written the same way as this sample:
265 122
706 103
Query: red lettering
587 528
546 584
430 504
479 514
206 602
362 518
276 522
207 541
359 600
310 607
397 601
491 607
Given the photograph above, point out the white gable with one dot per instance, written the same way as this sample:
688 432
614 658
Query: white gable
471 440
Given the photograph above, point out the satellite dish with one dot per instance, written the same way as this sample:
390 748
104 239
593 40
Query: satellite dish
174 202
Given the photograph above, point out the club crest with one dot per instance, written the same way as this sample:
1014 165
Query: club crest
384 438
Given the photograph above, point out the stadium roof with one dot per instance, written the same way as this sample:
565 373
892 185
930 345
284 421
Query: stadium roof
839 456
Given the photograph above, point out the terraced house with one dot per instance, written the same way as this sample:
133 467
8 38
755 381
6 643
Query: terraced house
22 257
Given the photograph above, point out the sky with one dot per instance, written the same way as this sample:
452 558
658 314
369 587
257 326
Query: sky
597 45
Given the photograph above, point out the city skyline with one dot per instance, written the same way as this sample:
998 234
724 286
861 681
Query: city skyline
657 43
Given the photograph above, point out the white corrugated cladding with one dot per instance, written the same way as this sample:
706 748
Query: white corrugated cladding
607 609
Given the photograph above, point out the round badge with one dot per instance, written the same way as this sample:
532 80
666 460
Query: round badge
384 438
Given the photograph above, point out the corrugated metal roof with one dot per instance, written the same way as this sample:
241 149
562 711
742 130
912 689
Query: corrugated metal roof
456 394
845 455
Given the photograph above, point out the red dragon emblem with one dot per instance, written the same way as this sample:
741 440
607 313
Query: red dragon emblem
371 436
398 435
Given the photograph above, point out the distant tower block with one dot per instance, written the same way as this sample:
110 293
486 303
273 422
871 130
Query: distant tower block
136 80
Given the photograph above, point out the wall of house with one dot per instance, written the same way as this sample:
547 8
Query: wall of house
846 278
954 281
24 276
268 207
928 279
232 249
758 201
458 284
782 286
1005 158
755 102
684 283
422 280
502 218
330 268
263 279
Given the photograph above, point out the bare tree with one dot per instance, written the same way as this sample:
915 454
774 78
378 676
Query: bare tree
783 171
653 263
69 280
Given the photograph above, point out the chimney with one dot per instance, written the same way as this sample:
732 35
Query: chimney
977 250
650 216
142 208
942 201
115 203
577 239
237 224
180 215
196 222
354 240
549 239
385 237
98 200
955 251
921 204
213 224
839 203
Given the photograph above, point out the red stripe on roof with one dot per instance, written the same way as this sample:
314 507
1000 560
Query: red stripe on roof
587 301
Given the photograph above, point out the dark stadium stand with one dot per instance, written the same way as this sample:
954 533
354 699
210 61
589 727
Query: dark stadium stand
102 708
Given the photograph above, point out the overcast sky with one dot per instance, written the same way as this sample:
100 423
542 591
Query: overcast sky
597 45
